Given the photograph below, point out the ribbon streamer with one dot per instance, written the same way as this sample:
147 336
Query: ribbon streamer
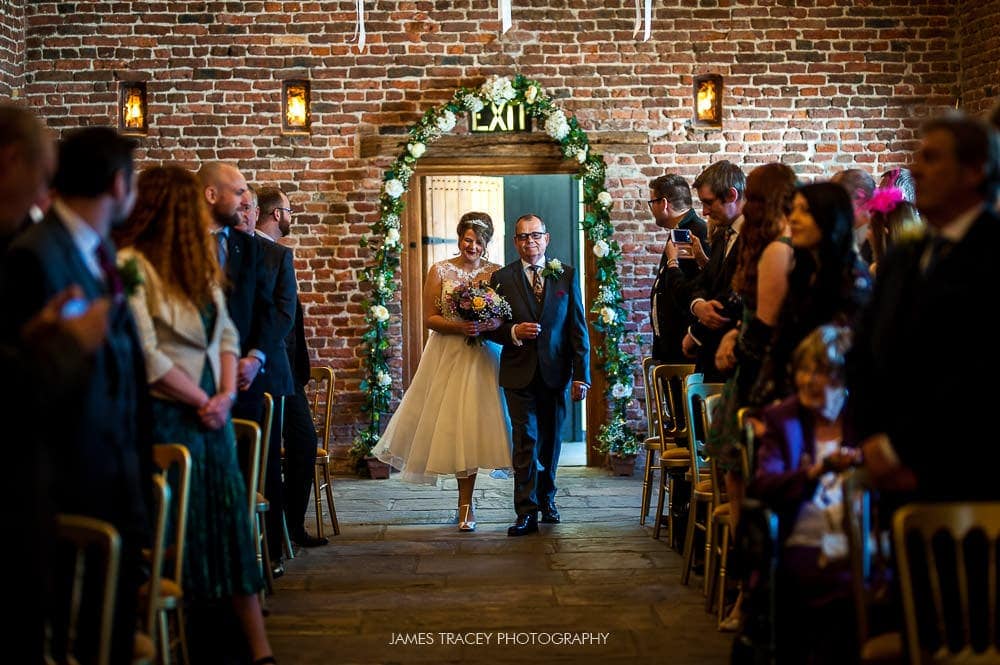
503 15
648 15
359 30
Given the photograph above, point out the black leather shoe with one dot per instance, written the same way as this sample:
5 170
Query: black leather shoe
305 540
550 514
524 525
277 569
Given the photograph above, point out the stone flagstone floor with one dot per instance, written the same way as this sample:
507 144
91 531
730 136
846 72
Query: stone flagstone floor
402 585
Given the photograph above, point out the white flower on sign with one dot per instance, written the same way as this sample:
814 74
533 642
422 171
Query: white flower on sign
498 89
394 188
608 315
379 313
556 125
383 378
604 199
621 390
392 238
446 121
530 95
473 103
416 149
601 249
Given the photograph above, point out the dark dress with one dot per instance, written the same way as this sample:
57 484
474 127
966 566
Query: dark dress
220 559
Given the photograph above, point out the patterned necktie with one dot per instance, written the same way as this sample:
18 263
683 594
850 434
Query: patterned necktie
940 246
223 248
112 280
537 287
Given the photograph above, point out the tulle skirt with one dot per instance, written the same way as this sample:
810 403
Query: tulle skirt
452 421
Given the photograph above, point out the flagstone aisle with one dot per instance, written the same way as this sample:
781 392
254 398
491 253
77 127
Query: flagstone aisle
401 581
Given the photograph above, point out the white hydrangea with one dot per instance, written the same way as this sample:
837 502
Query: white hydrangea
621 390
392 237
379 313
498 89
604 199
608 315
383 378
416 150
391 220
601 249
394 188
556 125
446 121
606 295
473 103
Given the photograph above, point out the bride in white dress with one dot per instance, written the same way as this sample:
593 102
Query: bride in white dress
452 420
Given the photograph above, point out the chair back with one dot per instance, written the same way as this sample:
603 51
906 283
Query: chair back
748 442
947 557
248 443
695 411
708 414
161 500
320 393
652 427
668 399
265 442
96 552
174 460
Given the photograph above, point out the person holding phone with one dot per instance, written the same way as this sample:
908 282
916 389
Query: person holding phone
670 204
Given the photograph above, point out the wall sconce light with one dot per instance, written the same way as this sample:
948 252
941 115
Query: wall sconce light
708 100
133 114
295 116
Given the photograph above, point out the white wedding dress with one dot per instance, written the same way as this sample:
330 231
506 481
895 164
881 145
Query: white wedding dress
452 421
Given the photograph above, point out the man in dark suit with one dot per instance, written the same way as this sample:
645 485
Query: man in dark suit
544 347
670 204
923 410
720 190
100 434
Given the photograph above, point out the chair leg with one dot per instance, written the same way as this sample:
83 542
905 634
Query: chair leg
709 553
266 555
670 510
647 486
317 493
711 562
723 560
689 541
182 635
329 499
163 638
289 552
659 505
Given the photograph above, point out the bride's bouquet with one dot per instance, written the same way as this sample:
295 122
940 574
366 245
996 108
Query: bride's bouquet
477 301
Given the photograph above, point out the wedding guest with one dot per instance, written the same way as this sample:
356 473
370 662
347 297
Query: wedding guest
859 185
893 219
451 421
191 348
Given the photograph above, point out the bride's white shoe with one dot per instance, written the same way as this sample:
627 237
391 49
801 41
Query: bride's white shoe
466 518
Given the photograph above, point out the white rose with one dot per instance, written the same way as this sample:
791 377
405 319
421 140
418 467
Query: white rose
383 378
601 249
392 237
607 315
379 313
621 390
582 155
556 125
394 188
416 149
556 265
530 94
604 199
446 121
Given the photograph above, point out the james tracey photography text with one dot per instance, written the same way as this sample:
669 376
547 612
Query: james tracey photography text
502 639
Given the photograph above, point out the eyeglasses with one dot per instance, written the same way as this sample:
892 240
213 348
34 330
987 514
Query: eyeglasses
650 202
534 235
288 210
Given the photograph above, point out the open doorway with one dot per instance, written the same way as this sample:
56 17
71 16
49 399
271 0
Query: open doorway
555 198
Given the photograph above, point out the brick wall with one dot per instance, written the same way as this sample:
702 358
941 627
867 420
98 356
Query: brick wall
980 54
820 84
11 48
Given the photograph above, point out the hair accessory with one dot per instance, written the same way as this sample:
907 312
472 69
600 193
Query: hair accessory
478 222
885 199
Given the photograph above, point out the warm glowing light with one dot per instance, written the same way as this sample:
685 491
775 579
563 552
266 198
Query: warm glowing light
133 110
133 117
706 101
296 111
295 99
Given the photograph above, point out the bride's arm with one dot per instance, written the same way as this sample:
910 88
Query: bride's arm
433 318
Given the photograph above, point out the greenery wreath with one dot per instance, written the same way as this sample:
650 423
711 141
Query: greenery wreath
615 436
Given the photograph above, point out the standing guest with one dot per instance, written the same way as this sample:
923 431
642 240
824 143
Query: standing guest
670 204
923 297
101 433
720 190
191 349
901 179
545 347
860 186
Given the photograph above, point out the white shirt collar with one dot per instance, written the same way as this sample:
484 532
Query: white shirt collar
86 239
737 224
264 235
956 229
527 266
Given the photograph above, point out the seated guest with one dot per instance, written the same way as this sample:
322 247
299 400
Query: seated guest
801 455
191 349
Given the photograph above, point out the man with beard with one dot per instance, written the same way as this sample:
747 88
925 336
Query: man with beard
100 438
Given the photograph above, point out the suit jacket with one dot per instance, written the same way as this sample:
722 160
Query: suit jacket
715 283
298 350
562 351
672 315
279 278
923 358
101 432
171 329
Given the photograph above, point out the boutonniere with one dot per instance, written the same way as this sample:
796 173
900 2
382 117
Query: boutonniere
553 269
560 294
131 276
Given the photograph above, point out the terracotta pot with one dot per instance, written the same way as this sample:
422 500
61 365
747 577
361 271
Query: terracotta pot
377 469
621 465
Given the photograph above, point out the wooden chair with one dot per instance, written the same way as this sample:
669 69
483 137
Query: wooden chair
703 487
320 391
248 442
652 443
947 558
262 505
668 390
145 649
719 524
174 461
96 548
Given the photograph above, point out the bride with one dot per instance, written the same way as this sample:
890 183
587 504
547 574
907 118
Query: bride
452 420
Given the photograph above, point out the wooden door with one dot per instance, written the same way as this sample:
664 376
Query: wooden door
446 199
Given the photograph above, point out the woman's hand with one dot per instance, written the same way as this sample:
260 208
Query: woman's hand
698 251
672 252
215 412
491 324
470 328
725 355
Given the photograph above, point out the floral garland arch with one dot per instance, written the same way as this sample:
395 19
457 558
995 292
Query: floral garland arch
619 366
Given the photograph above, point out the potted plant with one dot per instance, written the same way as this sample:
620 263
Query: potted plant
364 461
620 444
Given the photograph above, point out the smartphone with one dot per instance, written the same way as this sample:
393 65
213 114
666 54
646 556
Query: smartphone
74 308
680 236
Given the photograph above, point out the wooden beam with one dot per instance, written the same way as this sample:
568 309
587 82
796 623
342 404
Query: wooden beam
493 146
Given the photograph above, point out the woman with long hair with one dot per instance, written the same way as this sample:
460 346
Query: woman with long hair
191 348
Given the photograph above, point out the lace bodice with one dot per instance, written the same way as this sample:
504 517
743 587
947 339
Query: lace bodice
452 276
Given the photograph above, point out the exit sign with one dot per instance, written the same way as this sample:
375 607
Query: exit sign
502 118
